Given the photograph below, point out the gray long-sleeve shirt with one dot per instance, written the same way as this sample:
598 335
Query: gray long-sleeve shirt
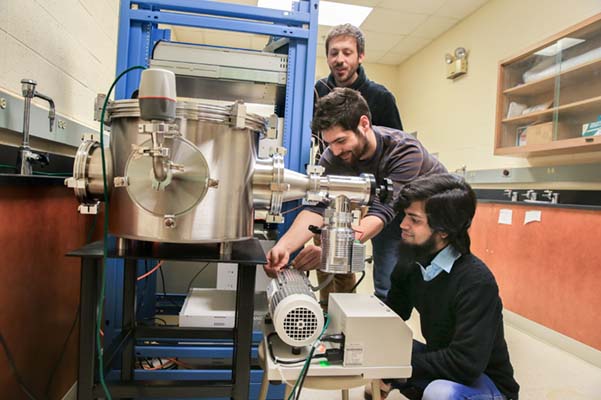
399 156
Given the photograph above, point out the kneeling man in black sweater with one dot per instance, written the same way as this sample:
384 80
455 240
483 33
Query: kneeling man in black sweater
465 355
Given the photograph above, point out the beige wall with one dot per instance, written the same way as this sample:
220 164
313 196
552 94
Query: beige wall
456 118
73 58
67 46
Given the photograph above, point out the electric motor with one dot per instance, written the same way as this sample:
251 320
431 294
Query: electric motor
296 314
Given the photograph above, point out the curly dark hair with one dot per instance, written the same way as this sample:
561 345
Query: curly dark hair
450 205
342 107
347 30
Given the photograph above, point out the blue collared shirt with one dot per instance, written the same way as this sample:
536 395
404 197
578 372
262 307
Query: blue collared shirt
442 262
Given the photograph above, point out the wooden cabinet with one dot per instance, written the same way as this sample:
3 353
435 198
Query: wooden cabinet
551 94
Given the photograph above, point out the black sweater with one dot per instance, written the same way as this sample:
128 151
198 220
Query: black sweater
381 102
461 320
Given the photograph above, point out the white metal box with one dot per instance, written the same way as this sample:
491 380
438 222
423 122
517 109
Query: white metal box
212 308
375 336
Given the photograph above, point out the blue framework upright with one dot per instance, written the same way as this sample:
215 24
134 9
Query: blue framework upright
138 30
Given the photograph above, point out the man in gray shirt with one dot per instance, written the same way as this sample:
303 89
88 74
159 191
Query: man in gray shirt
354 147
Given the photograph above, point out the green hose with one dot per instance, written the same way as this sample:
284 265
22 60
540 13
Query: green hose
309 357
105 236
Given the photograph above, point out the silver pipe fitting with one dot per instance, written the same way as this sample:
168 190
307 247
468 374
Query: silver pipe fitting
26 155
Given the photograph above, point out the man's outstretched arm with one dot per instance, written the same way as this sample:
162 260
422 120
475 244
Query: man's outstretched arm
297 235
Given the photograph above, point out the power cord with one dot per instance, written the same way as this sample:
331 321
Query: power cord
170 300
325 283
62 353
358 282
367 260
13 369
196 276
285 362
73 325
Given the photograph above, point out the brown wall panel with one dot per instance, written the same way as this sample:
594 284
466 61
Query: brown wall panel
548 271
39 286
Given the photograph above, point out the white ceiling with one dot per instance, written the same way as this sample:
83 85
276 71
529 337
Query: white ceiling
394 30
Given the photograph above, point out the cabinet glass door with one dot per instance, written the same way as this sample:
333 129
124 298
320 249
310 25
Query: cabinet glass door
578 91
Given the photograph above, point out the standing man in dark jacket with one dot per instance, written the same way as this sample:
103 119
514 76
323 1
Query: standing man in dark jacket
456 295
345 51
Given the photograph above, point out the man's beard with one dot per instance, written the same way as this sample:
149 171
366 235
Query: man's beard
421 253
348 79
359 151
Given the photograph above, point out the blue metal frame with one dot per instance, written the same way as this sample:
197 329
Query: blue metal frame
138 33
275 392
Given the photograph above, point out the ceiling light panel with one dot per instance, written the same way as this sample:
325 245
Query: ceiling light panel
330 13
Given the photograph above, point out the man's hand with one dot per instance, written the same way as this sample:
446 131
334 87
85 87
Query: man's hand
309 258
277 258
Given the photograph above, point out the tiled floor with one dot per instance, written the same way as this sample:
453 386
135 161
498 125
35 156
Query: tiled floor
543 371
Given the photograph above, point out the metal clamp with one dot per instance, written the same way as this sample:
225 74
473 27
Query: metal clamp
277 187
529 195
315 170
238 115
274 219
140 151
80 181
513 195
153 127
272 130
551 195
88 208
314 195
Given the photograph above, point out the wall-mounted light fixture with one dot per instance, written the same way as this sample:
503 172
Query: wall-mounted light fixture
456 63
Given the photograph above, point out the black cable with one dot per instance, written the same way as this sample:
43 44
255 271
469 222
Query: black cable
165 290
285 362
163 281
358 282
66 342
13 369
273 357
143 291
195 276
62 353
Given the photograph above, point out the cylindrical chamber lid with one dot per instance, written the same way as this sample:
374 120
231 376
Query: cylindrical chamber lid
192 111
185 189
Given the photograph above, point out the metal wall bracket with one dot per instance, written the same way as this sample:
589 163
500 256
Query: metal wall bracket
561 173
